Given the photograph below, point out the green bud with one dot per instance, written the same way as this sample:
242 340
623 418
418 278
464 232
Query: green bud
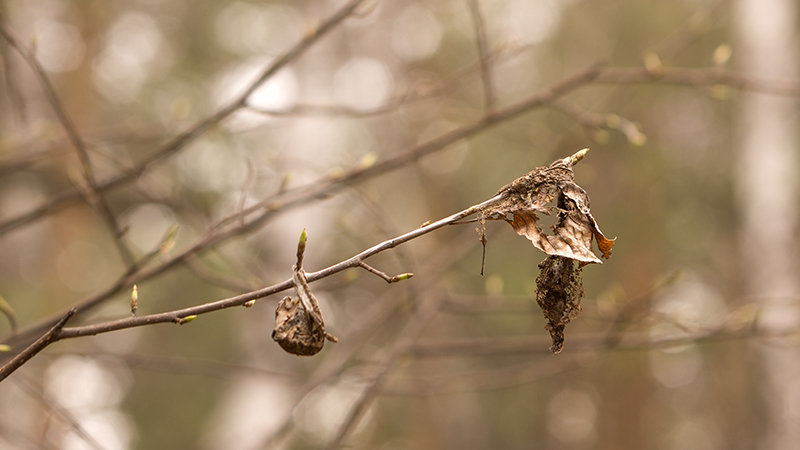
187 319
402 276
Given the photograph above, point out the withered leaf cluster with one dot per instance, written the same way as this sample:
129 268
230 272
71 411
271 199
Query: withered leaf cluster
552 191
299 327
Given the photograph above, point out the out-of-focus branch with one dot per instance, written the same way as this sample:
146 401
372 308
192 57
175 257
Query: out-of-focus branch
408 336
354 261
263 211
483 53
58 411
592 120
384 309
181 140
698 77
527 345
10 80
90 190
182 316
30 351
704 77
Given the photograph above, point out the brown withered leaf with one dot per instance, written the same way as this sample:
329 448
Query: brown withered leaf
551 191
299 327
295 329
559 290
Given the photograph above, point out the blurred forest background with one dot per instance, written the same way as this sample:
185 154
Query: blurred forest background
377 117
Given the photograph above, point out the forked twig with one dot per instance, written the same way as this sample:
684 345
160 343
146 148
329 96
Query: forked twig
30 351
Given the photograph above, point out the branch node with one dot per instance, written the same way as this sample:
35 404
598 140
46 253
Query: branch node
383 275
30 351
185 319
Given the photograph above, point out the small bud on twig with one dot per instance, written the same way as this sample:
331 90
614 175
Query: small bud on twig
187 319
401 277
134 299
301 248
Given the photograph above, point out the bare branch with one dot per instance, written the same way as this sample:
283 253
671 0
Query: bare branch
409 335
326 186
181 140
590 120
58 411
698 77
91 193
381 311
29 352
294 197
483 53
239 300
8 311
384 276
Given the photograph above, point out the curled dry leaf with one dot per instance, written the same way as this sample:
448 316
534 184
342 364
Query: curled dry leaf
552 191
559 290
295 330
546 191
299 328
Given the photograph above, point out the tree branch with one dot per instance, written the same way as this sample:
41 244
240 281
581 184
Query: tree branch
30 351
181 140
483 54
322 188
239 300
93 196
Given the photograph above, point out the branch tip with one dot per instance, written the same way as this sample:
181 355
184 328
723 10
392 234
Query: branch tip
301 248
134 299
401 277
577 156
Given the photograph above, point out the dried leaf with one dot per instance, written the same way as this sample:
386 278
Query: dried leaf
299 327
295 330
559 290
552 190
549 191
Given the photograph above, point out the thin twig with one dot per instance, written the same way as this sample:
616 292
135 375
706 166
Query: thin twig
384 276
295 197
180 141
375 318
408 336
589 119
239 300
512 345
483 54
12 89
37 346
323 188
608 75
93 196
699 77
58 411
212 277
8 311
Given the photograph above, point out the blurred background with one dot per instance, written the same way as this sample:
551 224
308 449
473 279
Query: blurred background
400 113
